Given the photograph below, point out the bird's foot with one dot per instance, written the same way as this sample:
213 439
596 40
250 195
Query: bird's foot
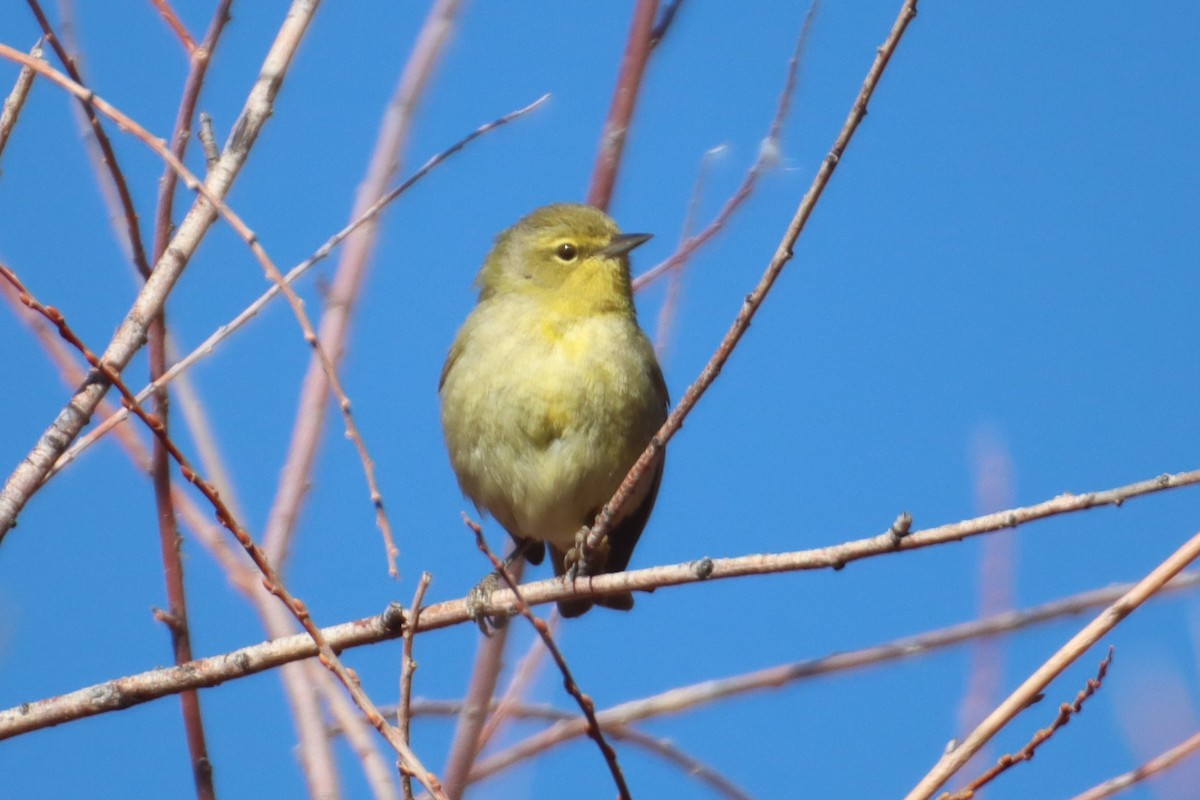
478 600
582 561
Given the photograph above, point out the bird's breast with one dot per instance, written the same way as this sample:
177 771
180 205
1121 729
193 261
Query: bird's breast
551 412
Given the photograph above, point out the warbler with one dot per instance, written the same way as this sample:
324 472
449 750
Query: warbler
551 390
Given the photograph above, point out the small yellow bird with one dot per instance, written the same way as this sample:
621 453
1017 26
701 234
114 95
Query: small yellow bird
551 391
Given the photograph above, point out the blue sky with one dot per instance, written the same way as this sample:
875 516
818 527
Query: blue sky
1008 249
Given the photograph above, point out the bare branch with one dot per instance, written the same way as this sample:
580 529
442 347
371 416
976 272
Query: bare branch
691 766
660 747
272 581
585 703
16 98
132 228
130 336
768 155
209 345
1020 699
135 689
321 376
175 24
620 114
170 542
485 673
1065 712
755 298
407 667
1188 747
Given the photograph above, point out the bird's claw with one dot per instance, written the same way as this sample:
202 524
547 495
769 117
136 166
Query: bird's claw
478 600
582 561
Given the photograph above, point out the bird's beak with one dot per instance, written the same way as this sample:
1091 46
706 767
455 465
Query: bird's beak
623 243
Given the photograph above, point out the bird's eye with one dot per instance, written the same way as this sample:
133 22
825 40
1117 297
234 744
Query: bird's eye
566 252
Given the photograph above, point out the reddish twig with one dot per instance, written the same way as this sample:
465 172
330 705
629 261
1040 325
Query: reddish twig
174 23
690 765
16 98
665 749
120 693
1108 619
408 666
271 582
72 374
70 422
199 58
1065 712
222 333
755 298
620 114
176 617
768 155
666 314
170 544
665 20
170 541
132 227
1188 747
315 755
31 473
380 773
526 670
321 376
996 578
586 705
485 674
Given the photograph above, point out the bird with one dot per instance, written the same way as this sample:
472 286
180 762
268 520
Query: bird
551 391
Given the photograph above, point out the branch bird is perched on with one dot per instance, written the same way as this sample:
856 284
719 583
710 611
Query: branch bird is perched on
551 391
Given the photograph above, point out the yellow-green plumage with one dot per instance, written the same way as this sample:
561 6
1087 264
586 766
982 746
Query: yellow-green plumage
551 390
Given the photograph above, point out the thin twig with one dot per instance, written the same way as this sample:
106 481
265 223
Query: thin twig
1008 760
996 559
379 773
272 581
132 228
670 306
170 542
665 20
1188 747
316 759
233 562
768 156
351 273
586 705
659 747
686 698
526 670
209 345
691 766
30 474
66 424
620 113
199 59
408 666
755 298
175 24
16 98
120 693
1016 702
481 687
